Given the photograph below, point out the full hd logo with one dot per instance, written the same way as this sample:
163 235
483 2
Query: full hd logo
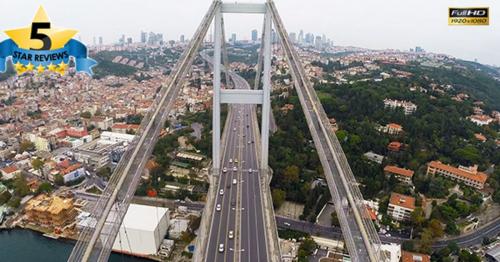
468 16
41 47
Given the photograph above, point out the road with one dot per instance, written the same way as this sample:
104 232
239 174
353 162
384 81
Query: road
490 230
241 211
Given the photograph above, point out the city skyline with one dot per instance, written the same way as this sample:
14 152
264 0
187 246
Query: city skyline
384 25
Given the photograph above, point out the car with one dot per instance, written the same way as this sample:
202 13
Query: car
221 192
221 248
231 234
250 170
244 135
224 170
248 126
218 207
230 160
249 142
235 160
234 129
286 224
235 181
235 169
253 141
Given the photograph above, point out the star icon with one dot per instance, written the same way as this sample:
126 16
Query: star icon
51 67
40 68
57 37
18 66
63 66
30 67
61 71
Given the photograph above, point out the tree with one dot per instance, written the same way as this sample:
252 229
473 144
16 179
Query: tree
26 146
37 164
279 197
306 248
14 202
59 180
21 188
417 217
436 228
45 187
104 172
86 114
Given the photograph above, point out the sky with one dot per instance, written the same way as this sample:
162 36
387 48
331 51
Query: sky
375 24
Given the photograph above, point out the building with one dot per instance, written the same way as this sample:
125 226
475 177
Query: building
400 206
493 252
9 172
392 129
50 211
467 175
255 36
142 230
481 120
116 137
395 146
124 128
374 157
408 107
414 257
402 174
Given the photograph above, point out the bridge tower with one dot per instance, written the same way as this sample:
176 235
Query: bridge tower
235 96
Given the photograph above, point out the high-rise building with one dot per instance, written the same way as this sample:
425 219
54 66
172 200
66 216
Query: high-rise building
309 39
182 39
233 38
129 40
274 36
95 43
293 37
301 37
255 37
144 37
419 49
100 40
318 42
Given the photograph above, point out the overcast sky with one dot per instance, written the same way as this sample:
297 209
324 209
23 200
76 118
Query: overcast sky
377 24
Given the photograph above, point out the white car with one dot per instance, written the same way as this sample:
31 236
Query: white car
231 234
234 129
250 170
221 192
235 169
221 248
249 142
218 207
230 160
224 170
235 181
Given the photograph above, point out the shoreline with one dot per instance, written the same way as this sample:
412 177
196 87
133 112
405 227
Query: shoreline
69 240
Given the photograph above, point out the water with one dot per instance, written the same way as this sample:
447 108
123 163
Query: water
19 245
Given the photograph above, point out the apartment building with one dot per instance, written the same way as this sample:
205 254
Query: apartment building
467 175
50 211
400 206
408 107
402 174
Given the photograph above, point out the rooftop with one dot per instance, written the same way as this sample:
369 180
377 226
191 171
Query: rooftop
470 173
143 217
402 200
398 171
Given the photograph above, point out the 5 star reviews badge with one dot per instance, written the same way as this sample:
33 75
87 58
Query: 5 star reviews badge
41 47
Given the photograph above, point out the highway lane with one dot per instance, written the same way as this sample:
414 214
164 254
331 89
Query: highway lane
253 238
241 204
